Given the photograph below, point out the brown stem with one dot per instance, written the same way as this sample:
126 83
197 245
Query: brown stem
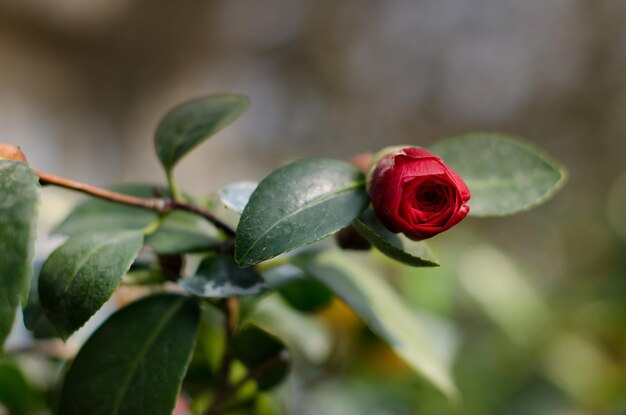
161 205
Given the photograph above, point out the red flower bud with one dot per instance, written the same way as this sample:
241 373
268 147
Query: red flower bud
415 193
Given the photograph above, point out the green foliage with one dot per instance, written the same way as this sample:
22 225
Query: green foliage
35 318
182 232
135 362
17 394
296 205
235 196
504 175
264 355
192 122
97 215
306 336
19 200
179 232
395 246
383 310
219 277
80 276
297 289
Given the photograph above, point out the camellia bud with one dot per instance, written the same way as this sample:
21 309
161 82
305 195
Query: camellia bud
414 192
11 152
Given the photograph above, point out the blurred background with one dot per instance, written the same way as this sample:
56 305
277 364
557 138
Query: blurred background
533 306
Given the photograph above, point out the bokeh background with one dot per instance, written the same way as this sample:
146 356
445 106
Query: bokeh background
533 307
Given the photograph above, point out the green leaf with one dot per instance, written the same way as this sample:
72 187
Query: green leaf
297 289
192 122
505 175
19 200
180 232
306 336
35 318
219 277
383 310
235 196
265 356
506 295
82 274
97 215
299 204
17 395
396 246
183 232
135 362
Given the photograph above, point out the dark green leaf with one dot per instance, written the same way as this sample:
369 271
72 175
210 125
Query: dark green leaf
219 277
16 392
19 200
383 310
306 295
264 355
296 205
297 289
396 246
35 318
82 274
235 196
505 175
135 362
306 336
192 122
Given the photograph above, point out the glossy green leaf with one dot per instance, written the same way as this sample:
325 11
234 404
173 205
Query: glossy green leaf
235 196
383 310
219 277
297 289
505 175
19 200
265 356
396 246
82 274
299 204
135 362
192 122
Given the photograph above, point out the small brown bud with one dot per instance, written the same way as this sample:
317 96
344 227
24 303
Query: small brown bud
11 152
350 238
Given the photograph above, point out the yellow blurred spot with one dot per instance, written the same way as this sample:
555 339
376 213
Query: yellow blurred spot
340 316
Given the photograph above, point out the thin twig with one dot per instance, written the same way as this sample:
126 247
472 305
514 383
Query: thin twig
160 205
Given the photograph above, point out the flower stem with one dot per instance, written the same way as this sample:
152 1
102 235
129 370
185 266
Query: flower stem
159 205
